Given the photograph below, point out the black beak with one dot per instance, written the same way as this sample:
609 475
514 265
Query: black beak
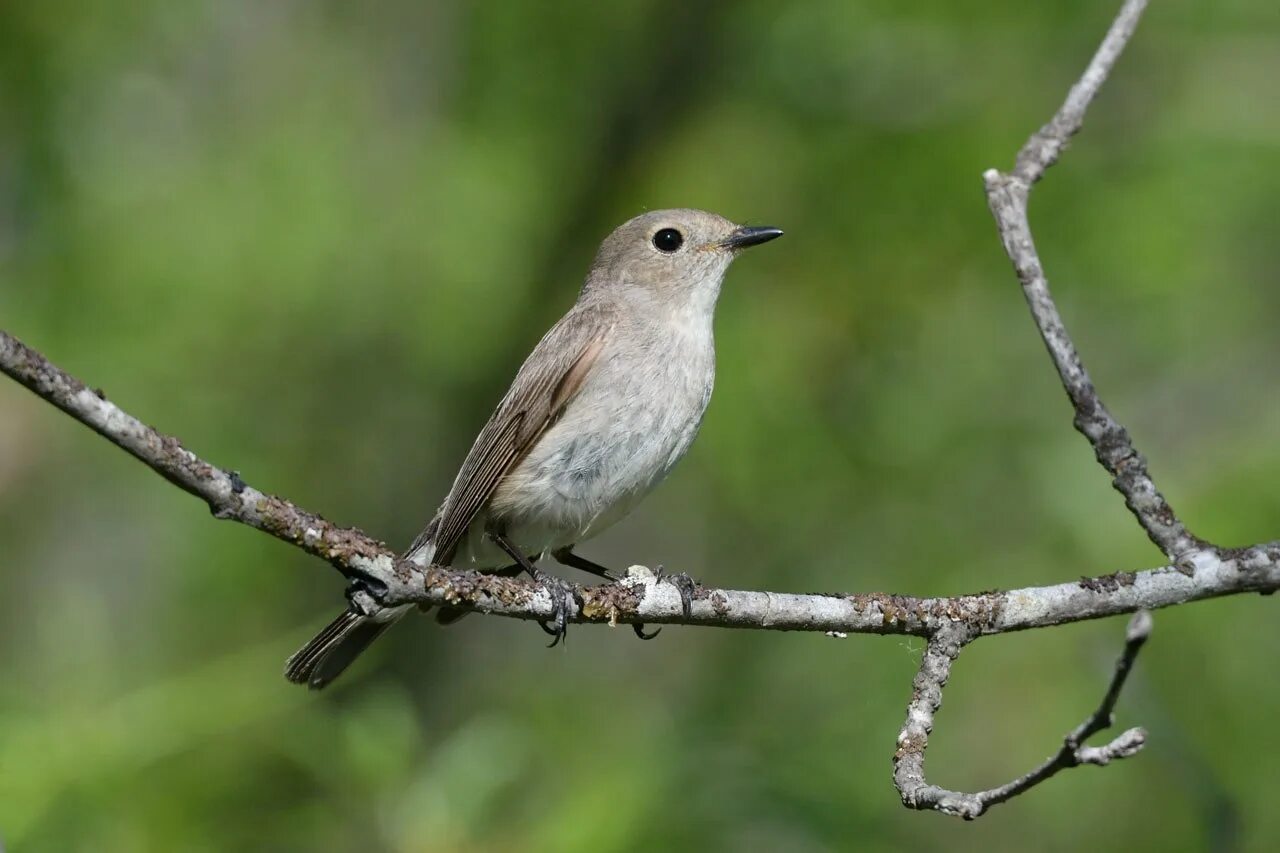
750 235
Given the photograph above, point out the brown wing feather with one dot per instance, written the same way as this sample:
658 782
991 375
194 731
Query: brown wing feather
574 377
481 479
548 380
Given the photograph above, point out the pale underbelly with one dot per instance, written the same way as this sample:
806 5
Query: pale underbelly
584 475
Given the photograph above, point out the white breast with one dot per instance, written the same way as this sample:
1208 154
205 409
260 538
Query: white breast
633 419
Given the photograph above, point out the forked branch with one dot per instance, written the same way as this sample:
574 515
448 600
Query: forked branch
940 653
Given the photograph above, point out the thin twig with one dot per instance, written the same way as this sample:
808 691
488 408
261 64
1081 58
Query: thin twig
1045 146
1074 750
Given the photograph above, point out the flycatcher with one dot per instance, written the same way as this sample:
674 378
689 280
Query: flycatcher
605 405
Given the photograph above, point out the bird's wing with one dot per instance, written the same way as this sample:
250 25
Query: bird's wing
550 377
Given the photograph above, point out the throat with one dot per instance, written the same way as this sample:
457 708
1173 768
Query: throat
691 319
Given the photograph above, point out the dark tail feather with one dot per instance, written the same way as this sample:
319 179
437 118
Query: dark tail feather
333 649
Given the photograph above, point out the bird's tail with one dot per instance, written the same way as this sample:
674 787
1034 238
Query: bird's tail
333 649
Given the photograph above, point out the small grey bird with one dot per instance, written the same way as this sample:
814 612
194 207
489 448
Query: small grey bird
605 405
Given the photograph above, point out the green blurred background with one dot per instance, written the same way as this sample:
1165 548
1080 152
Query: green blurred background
314 240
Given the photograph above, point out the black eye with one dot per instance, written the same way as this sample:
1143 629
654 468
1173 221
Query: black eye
668 240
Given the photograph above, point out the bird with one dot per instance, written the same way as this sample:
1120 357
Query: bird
601 410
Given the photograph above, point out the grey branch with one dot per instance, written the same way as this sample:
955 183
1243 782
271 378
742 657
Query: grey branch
1196 569
1007 195
641 596
227 495
940 653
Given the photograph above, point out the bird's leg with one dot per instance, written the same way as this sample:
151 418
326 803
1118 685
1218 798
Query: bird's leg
566 557
555 588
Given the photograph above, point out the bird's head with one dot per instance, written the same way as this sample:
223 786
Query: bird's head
679 255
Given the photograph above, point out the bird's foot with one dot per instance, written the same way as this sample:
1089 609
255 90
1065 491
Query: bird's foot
364 589
684 584
561 594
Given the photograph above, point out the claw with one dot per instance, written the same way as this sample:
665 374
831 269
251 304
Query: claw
683 584
558 626
638 627
557 589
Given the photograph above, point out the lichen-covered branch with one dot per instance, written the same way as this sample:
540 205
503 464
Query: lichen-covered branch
641 597
1007 195
926 698
227 495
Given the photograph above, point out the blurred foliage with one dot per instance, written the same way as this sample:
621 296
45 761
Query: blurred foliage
315 239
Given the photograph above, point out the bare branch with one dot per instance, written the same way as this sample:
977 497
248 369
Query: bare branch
1044 147
1074 751
926 698
227 495
640 597
1007 196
